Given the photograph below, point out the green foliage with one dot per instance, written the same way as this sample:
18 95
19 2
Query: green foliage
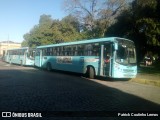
141 23
123 27
40 34
151 30
49 31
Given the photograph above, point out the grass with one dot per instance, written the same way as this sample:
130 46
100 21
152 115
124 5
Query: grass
154 69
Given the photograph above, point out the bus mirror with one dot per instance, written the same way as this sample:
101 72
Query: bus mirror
116 46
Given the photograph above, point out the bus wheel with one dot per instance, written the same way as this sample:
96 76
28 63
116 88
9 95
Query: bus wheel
90 72
49 67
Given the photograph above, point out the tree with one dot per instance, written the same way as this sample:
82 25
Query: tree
80 9
40 34
73 21
140 23
70 28
50 31
147 27
95 16
150 29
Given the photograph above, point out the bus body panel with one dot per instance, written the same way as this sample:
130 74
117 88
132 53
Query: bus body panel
28 62
37 61
76 64
122 71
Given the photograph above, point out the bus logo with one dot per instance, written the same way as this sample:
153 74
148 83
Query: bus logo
6 114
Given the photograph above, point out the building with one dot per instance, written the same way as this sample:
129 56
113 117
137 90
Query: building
5 45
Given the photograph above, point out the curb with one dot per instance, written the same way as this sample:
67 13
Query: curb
145 81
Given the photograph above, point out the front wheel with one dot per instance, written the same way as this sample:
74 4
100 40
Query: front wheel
49 67
90 73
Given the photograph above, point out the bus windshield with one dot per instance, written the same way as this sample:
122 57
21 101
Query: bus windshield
126 53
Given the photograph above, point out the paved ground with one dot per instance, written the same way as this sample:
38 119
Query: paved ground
148 78
147 92
31 89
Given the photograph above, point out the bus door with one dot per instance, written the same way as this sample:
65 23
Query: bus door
106 59
38 58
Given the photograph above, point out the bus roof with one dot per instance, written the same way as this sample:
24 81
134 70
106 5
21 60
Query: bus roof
111 39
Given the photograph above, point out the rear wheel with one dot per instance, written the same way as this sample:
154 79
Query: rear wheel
90 72
49 67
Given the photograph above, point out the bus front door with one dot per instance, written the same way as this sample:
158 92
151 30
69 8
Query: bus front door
107 59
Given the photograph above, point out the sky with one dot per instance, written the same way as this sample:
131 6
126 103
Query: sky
18 17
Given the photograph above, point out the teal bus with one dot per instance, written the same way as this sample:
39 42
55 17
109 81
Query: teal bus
108 57
22 56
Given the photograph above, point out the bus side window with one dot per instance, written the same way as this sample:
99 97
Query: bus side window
48 52
88 49
75 50
96 49
37 53
61 51
44 52
54 51
72 51
57 51
66 50
80 50
69 51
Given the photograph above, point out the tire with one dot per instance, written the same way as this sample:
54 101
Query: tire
49 67
90 73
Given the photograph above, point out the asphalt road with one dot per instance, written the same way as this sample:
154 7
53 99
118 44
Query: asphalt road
32 89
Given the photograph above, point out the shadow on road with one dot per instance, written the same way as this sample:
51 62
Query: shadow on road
36 90
83 75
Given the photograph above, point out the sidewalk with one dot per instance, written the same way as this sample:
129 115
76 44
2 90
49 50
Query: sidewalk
145 78
148 77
